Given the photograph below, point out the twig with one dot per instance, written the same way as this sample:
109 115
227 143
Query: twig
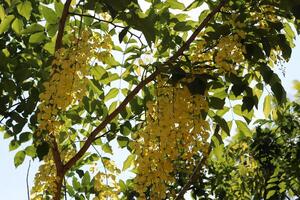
140 86
27 182
204 23
102 161
109 22
196 171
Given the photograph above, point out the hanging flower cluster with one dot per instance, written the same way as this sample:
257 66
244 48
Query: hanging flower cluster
105 183
67 83
175 130
225 55
45 179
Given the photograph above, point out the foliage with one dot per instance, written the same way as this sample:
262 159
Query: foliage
82 78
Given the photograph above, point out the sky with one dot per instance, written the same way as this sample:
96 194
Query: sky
13 180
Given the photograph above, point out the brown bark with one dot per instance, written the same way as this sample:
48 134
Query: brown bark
60 172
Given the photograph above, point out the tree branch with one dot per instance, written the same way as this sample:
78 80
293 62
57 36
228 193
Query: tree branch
54 147
140 86
59 168
62 23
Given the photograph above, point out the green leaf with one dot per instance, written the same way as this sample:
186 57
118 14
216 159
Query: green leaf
107 148
33 28
174 4
52 29
218 152
123 141
110 60
267 105
50 47
112 107
19 158
111 94
248 103
17 25
59 7
223 124
128 162
13 145
86 179
243 128
24 9
49 15
30 151
216 103
182 26
37 37
76 184
279 92
2 13
237 109
270 194
42 150
194 4
5 24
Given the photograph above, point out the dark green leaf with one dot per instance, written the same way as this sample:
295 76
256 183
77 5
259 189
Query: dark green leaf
216 103
123 33
42 150
223 124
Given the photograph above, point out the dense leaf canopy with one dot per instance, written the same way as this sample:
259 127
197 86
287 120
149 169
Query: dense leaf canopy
82 78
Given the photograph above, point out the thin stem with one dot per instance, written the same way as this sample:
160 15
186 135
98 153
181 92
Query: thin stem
196 171
109 22
27 182
105 170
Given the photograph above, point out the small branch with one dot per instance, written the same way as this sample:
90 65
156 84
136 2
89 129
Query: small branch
196 171
101 158
109 22
59 169
62 23
140 86
110 117
27 182
204 23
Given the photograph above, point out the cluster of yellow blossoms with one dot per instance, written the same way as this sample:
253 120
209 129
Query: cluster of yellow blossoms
45 179
65 88
67 82
175 130
226 54
267 13
106 183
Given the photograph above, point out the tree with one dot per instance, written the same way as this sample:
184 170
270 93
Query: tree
66 96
